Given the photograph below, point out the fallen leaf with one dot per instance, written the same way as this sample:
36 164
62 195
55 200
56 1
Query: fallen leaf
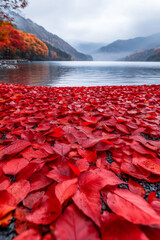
121 201
74 225
149 164
89 204
7 203
66 189
19 190
115 227
61 148
136 188
46 213
14 166
14 148
33 199
28 235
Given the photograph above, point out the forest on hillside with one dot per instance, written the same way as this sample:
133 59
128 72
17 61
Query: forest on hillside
15 44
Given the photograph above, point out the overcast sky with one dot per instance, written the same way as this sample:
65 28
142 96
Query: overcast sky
96 20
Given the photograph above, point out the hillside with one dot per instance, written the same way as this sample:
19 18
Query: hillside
122 48
146 55
57 54
16 44
29 26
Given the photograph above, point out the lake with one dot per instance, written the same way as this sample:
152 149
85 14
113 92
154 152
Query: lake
83 73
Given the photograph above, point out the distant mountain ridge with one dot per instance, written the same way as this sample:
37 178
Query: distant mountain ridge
146 55
29 26
87 47
122 48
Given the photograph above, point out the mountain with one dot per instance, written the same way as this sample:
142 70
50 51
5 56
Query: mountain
87 47
55 54
29 26
121 48
146 55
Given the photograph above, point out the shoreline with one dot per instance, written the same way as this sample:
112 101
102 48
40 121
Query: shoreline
12 63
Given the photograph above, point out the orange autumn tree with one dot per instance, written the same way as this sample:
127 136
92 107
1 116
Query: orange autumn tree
35 48
11 43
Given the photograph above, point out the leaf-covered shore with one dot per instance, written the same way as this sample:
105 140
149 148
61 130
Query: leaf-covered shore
79 163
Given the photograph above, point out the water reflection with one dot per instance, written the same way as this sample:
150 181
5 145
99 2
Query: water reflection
83 73
34 74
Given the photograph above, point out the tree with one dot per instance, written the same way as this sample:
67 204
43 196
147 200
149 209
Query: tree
11 42
10 5
35 48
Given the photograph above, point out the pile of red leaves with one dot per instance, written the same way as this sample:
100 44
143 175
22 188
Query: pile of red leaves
73 162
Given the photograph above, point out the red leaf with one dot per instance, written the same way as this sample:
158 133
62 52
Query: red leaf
49 236
33 199
122 128
131 206
60 174
90 204
87 198
39 181
156 206
149 164
91 156
43 127
4 184
98 179
152 197
46 213
19 190
28 235
27 172
140 149
103 145
136 188
82 164
115 227
7 203
152 233
75 169
91 142
40 138
57 132
14 166
115 167
47 148
107 142
66 189
74 225
108 129
86 124
93 120
14 148
132 170
31 153
61 148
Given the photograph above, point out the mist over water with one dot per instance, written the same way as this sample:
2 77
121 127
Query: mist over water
83 74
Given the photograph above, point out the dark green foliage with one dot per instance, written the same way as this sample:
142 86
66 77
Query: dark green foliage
57 54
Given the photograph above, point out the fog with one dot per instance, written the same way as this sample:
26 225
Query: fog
96 21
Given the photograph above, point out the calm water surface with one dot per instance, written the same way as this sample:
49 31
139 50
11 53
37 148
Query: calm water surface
83 73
